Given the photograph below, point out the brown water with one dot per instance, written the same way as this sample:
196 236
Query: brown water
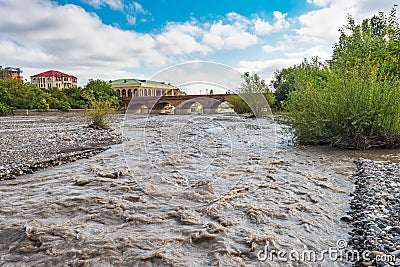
203 191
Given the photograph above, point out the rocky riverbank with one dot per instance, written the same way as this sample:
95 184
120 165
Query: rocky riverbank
31 143
375 213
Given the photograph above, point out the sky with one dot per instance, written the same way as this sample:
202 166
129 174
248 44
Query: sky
116 39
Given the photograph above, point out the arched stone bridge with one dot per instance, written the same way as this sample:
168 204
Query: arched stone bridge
181 103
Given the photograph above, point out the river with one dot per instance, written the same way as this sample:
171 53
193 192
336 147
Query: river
203 190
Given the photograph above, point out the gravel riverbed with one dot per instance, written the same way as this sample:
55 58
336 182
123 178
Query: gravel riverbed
31 143
375 213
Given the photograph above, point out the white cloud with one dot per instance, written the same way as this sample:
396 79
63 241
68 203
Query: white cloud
69 38
320 51
266 68
179 39
320 3
132 11
131 20
270 49
262 27
228 36
322 25
113 4
138 8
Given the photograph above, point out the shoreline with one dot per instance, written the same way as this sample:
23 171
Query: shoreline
30 143
375 213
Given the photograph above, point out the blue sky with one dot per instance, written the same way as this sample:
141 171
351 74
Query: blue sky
111 39
152 15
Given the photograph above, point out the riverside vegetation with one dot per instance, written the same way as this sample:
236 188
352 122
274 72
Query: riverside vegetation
353 100
97 97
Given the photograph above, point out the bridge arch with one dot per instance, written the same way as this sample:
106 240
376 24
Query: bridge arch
138 108
162 107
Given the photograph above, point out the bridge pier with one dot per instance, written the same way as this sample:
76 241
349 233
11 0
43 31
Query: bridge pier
210 110
138 111
183 111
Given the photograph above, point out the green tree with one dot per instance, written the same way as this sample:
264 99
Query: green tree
4 109
254 96
355 102
101 101
55 96
375 41
42 105
101 90
287 79
75 97
64 106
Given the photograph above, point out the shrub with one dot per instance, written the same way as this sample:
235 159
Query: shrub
65 106
42 105
4 109
99 112
355 109
355 102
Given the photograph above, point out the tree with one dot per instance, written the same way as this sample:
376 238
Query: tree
75 97
254 96
375 41
42 105
354 102
4 109
287 79
101 101
101 90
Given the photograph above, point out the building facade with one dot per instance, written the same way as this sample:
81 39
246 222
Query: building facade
53 78
127 88
10 73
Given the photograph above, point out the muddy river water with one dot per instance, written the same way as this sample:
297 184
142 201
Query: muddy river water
203 190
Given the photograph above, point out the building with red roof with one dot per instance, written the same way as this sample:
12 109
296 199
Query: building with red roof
53 78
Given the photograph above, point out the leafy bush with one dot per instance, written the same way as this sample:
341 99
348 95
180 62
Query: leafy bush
65 106
4 109
286 79
99 112
42 105
357 103
354 110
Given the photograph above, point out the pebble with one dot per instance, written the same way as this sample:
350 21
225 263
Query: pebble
31 143
374 212
367 263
